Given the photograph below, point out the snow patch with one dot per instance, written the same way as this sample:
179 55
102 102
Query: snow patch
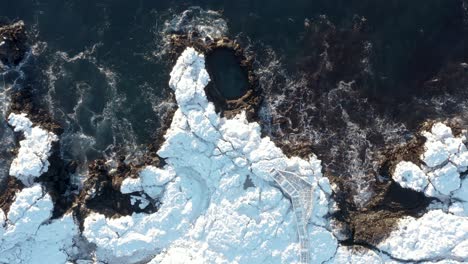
444 158
151 181
27 236
409 175
436 235
135 238
358 255
32 159
460 200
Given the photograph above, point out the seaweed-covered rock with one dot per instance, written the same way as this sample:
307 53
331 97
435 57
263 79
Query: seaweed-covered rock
13 44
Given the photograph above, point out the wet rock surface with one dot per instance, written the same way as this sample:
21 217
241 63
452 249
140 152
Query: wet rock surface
391 202
58 183
373 223
26 100
56 180
8 190
13 43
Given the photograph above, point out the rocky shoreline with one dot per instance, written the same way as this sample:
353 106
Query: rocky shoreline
215 146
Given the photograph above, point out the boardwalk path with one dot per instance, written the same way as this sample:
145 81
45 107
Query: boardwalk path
301 193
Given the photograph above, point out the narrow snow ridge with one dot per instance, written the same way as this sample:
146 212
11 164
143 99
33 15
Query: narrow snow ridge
32 159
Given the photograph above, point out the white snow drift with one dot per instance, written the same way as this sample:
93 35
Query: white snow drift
32 159
27 236
437 235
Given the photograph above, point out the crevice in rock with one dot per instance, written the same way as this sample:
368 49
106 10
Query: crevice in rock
57 182
390 202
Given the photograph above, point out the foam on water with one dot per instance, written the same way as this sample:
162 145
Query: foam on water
325 107
207 23
11 79
106 87
83 96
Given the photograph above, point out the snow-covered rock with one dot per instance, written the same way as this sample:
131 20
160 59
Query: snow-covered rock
358 255
32 159
436 235
445 179
151 181
459 204
444 158
28 235
409 175
208 215
435 153
135 238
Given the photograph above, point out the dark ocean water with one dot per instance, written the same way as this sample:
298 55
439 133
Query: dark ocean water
346 77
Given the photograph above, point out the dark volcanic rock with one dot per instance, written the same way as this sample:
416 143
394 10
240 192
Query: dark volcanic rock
56 180
13 44
372 223
13 47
